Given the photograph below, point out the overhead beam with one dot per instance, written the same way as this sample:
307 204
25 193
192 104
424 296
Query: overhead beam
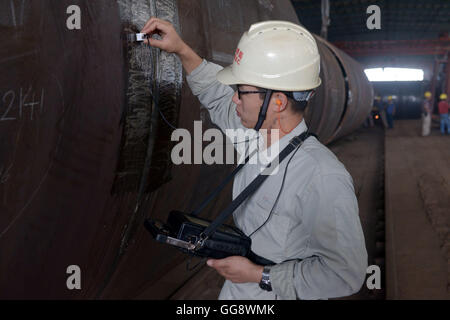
395 47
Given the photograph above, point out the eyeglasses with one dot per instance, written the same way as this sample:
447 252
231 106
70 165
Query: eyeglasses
248 92
297 96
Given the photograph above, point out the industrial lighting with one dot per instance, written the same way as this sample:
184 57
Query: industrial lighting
394 74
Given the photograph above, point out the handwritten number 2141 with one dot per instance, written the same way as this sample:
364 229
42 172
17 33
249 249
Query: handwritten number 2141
28 101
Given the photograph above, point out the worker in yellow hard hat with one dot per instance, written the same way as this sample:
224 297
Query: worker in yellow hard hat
443 113
390 112
427 109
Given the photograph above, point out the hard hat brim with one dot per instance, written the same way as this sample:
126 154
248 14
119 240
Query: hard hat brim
226 76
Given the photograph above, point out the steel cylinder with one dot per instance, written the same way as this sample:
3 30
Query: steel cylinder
85 154
345 98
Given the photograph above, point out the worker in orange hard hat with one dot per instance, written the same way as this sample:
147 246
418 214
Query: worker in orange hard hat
427 110
443 113
369 123
376 110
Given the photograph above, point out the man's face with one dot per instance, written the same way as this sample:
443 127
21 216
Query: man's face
248 107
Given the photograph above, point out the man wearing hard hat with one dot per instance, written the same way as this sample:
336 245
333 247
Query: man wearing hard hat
307 222
427 109
443 113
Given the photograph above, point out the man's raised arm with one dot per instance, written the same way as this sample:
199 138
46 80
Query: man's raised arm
171 42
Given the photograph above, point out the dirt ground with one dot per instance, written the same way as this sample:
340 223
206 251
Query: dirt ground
417 213
362 154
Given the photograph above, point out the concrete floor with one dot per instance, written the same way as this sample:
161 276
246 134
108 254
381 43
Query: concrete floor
417 213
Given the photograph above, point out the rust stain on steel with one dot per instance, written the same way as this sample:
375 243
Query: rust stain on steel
62 140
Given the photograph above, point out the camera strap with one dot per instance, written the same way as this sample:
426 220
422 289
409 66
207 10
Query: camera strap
261 118
252 187
221 186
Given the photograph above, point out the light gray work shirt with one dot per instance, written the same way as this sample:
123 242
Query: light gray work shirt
314 233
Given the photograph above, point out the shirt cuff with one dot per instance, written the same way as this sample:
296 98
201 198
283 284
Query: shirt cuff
282 279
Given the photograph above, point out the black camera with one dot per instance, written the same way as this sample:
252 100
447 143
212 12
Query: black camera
184 231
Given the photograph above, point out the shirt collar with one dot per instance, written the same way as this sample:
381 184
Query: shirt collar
268 155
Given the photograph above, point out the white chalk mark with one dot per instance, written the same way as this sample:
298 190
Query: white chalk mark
42 101
4 176
20 104
19 56
31 104
48 170
21 101
13 13
3 118
22 7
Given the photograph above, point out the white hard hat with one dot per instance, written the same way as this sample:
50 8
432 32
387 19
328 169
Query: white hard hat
276 55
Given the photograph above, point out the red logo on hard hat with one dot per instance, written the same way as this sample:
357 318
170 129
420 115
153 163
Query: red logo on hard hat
238 56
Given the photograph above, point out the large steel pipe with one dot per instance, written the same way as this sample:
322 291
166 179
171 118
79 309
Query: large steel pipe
84 155
345 97
325 109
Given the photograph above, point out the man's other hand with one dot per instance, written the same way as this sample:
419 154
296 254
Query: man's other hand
237 269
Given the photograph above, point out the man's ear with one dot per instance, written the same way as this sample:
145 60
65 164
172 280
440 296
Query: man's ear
279 101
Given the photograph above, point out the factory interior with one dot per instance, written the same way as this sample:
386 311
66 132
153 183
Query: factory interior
86 138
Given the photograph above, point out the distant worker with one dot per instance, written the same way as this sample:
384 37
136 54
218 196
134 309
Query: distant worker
368 123
427 109
390 112
380 110
443 112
